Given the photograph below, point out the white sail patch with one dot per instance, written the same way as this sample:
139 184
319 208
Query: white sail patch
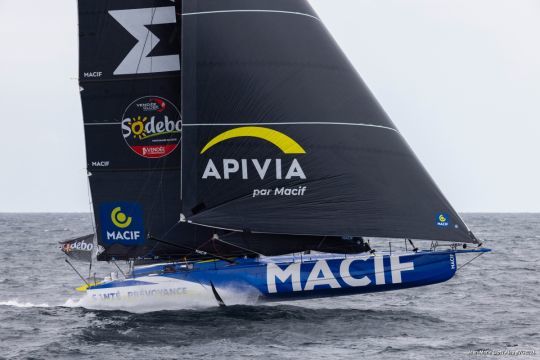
137 60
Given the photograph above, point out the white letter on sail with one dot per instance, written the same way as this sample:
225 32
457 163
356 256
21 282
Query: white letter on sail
261 170
321 266
126 130
295 171
211 171
344 271
135 21
292 271
230 166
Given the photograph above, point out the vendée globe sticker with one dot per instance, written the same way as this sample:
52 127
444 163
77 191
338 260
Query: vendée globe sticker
152 127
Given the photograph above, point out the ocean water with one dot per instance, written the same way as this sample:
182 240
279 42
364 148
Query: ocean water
491 307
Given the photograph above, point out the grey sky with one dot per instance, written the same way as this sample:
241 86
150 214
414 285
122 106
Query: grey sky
460 79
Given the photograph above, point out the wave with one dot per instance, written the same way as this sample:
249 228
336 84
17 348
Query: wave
19 304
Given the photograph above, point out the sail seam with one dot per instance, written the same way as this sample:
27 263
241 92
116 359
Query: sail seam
268 124
254 10
298 123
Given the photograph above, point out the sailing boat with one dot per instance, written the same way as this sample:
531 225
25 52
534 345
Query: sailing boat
234 152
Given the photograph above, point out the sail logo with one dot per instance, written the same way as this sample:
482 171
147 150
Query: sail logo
78 245
442 220
150 54
153 104
93 74
243 168
286 144
335 274
152 127
120 219
122 223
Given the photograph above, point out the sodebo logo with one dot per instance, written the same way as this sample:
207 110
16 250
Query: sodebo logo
122 223
245 168
152 127
79 245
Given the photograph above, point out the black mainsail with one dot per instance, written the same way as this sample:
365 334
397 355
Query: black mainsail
282 136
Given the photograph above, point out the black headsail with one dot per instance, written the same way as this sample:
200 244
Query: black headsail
130 90
282 136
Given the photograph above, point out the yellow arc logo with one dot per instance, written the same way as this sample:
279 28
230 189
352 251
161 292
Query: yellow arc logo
286 144
442 218
120 219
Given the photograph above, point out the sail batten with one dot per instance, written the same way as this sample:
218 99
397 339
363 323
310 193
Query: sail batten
238 11
216 6
299 123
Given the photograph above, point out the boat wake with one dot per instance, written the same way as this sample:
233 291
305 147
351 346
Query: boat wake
137 307
161 298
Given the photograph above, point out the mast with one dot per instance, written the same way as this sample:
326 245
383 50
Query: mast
282 136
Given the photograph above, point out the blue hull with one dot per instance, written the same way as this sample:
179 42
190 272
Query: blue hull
288 278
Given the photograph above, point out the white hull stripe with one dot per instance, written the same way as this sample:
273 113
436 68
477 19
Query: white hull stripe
250 11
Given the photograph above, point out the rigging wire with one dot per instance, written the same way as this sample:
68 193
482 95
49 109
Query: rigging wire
470 261
90 203
146 40
196 251
92 221
160 166
236 246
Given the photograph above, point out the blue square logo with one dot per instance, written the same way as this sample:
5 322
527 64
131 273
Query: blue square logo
122 223
442 220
